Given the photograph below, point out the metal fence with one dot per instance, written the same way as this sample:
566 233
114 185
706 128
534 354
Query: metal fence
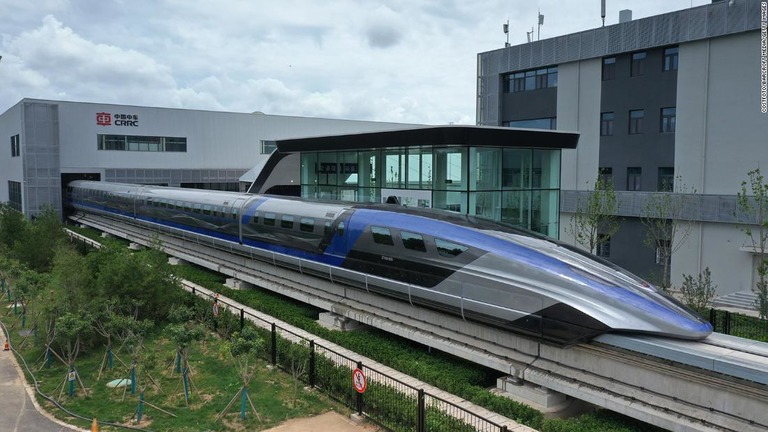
386 401
736 324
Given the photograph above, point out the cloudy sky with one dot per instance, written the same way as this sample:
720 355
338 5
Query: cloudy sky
398 60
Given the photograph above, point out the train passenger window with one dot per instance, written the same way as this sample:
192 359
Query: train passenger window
286 222
235 210
255 218
382 235
269 219
449 249
307 224
188 207
206 209
340 229
413 241
328 227
197 208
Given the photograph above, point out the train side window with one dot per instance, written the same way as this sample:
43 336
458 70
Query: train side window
307 224
413 241
206 209
235 210
340 229
188 207
449 249
255 218
382 235
197 208
269 219
328 227
286 221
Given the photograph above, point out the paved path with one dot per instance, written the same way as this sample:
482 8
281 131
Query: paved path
18 412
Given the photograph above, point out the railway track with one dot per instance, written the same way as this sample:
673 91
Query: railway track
609 372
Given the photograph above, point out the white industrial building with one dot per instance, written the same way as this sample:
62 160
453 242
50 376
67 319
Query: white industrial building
52 142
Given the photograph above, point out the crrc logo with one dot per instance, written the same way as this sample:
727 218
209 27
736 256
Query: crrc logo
106 119
103 119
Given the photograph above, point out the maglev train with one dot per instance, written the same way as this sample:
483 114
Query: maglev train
477 269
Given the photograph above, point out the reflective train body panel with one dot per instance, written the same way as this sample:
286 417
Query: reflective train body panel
475 268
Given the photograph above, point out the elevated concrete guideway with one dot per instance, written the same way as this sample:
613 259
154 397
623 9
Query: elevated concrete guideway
658 391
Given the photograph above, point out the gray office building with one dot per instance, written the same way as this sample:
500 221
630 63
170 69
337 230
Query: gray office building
660 102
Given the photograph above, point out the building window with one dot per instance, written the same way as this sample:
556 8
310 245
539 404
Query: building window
609 68
531 80
605 174
636 120
666 179
634 175
670 59
15 146
267 147
603 248
668 119
638 64
14 195
142 143
549 123
606 124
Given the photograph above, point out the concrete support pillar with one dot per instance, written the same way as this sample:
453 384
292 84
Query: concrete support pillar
238 284
176 261
106 235
135 246
333 321
553 404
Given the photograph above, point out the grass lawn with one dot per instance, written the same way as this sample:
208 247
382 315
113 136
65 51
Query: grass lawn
214 382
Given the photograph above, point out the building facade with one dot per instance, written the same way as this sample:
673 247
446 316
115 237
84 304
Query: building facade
663 104
53 142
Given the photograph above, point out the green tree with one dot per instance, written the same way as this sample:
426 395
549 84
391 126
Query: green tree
665 231
69 331
244 347
595 220
37 244
697 293
753 204
13 225
184 332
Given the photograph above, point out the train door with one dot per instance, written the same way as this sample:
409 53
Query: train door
338 241
237 216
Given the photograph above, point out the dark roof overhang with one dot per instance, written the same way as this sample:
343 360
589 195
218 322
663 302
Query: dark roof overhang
472 136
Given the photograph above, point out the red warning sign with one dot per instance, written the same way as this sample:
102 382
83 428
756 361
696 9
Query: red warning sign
358 380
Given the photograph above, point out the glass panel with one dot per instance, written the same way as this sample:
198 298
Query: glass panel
449 168
487 204
516 208
286 222
546 169
413 241
327 168
307 224
544 212
382 235
486 168
348 171
452 201
419 168
309 172
347 194
449 249
367 168
269 219
516 168
394 168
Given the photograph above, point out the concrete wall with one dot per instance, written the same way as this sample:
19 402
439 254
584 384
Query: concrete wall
11 168
721 136
578 109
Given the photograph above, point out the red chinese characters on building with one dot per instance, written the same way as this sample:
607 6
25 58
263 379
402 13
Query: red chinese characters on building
103 119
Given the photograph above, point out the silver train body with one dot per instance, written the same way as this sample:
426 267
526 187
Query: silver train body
474 268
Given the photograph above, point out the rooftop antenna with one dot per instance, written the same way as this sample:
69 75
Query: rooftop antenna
602 11
529 34
541 22
506 32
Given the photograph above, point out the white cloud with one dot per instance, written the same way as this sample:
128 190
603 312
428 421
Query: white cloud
397 60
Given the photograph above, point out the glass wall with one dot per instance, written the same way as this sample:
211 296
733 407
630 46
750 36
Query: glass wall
520 186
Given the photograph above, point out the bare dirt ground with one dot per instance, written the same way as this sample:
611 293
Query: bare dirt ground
328 422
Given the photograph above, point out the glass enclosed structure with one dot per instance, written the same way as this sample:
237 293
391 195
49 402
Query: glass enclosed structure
509 175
